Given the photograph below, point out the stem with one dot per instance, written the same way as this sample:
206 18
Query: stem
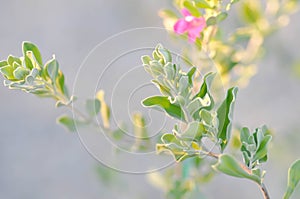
264 191
262 186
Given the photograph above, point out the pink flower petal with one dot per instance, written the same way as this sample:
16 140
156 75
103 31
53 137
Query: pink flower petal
195 28
192 36
181 26
185 12
190 24
199 22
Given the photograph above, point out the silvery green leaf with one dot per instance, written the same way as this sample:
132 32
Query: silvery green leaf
293 179
51 68
204 91
194 131
169 71
32 75
258 136
244 135
146 60
164 53
20 73
251 148
156 68
183 84
225 114
262 150
163 89
230 166
28 46
163 102
246 158
198 103
173 145
60 83
178 100
206 116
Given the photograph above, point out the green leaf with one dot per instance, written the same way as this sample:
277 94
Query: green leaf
222 16
28 60
245 134
207 81
230 166
163 89
3 63
32 75
206 116
202 4
41 92
224 115
191 7
170 71
118 134
12 59
262 150
20 73
177 151
92 106
190 74
28 46
251 11
163 102
203 99
51 68
165 13
170 138
293 179
183 85
60 83
174 146
146 59
197 104
156 68
194 131
164 53
8 72
67 122
211 21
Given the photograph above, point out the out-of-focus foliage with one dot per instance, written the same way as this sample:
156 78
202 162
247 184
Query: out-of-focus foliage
234 52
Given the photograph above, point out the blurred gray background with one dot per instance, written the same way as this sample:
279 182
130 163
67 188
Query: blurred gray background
39 159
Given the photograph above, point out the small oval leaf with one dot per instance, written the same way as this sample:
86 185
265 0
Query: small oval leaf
293 179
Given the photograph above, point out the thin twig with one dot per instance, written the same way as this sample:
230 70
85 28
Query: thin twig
264 191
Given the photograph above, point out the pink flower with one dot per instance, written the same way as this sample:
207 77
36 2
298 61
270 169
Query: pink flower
190 24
